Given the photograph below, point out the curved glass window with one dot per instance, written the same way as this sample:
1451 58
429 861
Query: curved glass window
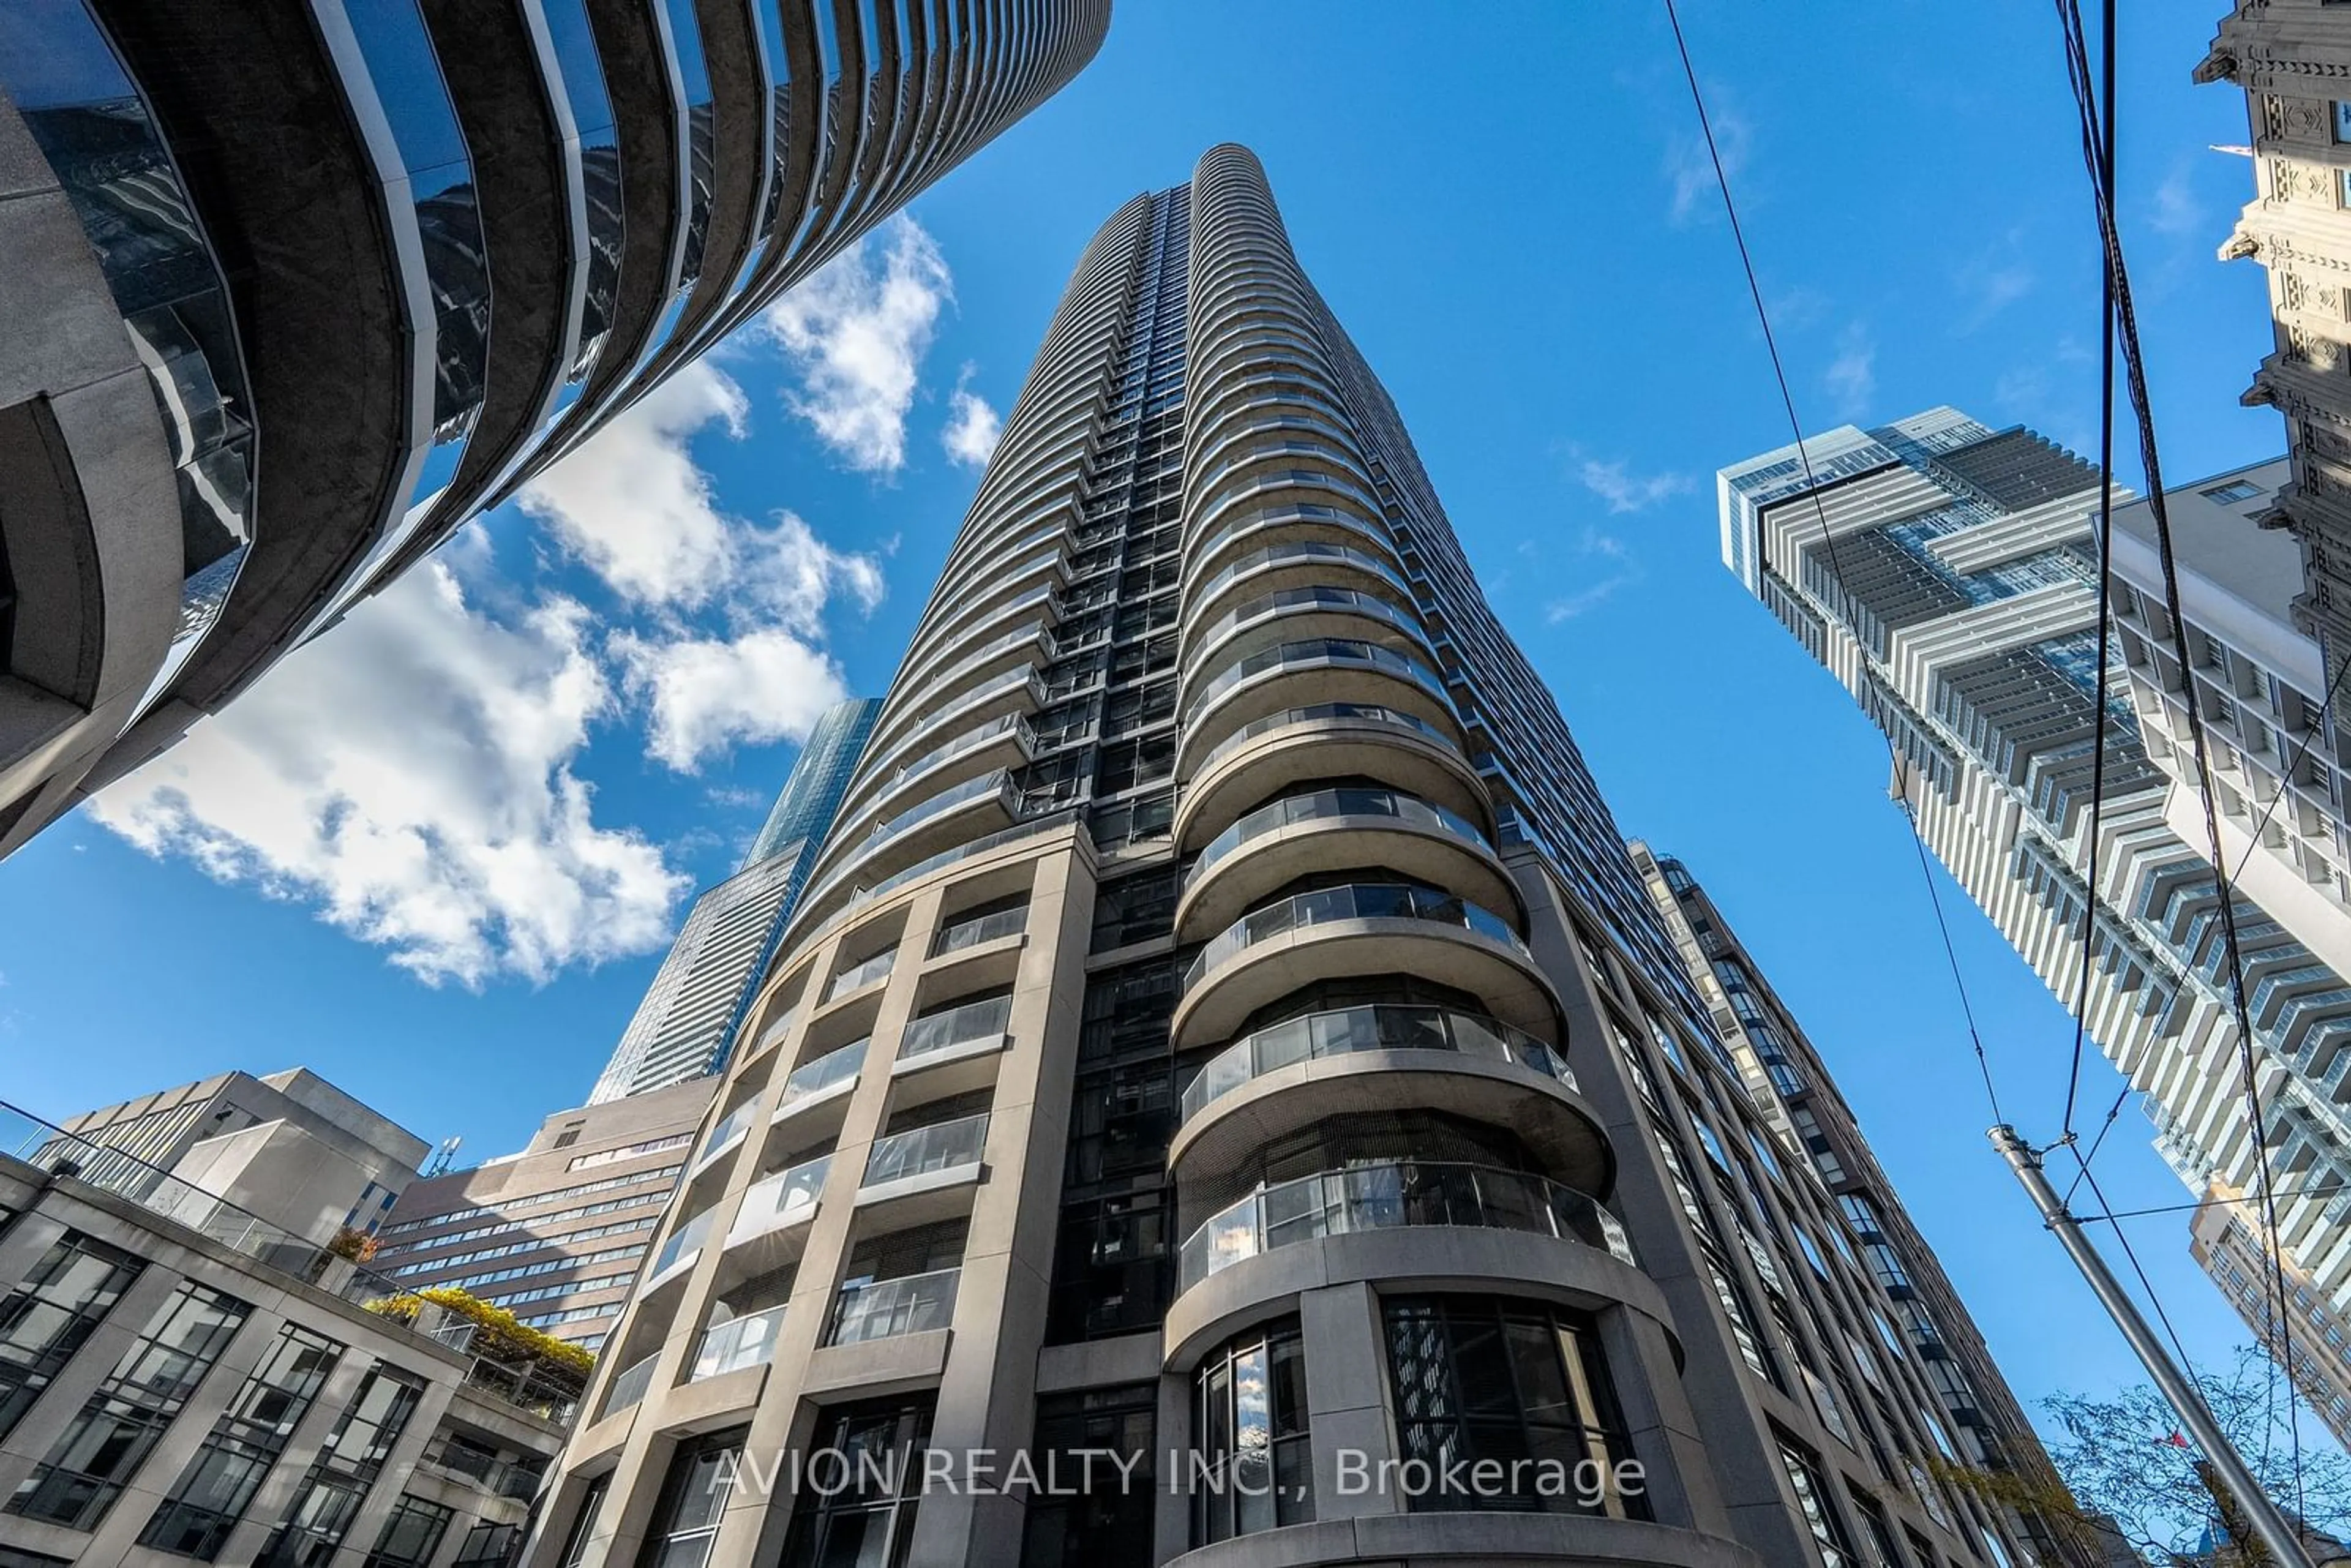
701 136
1320 805
1311 652
1381 1026
406 75
87 119
1250 1449
1521 1384
1356 901
1384 1196
599 174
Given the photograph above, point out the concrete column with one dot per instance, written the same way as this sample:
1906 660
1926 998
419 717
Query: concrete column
1347 1409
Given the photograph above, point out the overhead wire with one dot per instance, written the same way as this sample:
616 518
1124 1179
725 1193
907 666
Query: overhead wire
1803 456
2077 71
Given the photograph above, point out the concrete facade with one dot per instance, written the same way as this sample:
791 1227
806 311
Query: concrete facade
1225 1015
2224 1237
557 1232
462 239
291 1147
182 1379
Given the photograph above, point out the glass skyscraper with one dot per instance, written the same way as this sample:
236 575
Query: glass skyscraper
698 995
1226 1030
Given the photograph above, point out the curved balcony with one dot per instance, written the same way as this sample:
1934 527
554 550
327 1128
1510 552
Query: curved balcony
1363 928
1296 486
1212 549
963 812
1295 563
1293 615
1343 1060
1385 1197
925 1173
1290 837
738 1342
1305 674
778 1202
1294 745
825 1080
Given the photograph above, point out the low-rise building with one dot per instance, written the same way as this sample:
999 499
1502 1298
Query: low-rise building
183 1378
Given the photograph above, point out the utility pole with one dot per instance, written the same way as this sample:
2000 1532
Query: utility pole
2260 1514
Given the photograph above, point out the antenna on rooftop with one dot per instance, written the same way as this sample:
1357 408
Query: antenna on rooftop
443 1156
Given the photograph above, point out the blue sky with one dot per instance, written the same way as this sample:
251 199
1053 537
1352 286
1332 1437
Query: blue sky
437 855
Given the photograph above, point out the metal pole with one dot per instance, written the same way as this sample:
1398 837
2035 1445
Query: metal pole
2185 1400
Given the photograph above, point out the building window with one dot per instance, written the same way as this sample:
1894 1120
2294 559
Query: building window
1804 1479
1102 1510
692 1501
860 1510
88 1465
2239 490
348 1463
1481 1378
488 1546
46 1319
211 1495
2342 122
411 1536
583 1528
1251 1469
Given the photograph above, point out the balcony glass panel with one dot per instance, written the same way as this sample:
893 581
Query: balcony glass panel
979 929
882 1309
1324 804
730 1127
858 976
738 1342
1314 652
629 1388
1387 1195
1381 1026
684 1242
786 1197
941 1146
826 1070
1361 901
954 1026
944 800
1367 713
1298 554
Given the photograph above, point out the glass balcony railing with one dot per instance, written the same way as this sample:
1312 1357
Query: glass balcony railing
883 1309
1384 1196
858 976
1366 523
994 781
1324 804
786 1197
1300 553
1366 712
832 1067
683 1243
738 1342
942 1145
500 1478
630 1387
730 1127
955 1026
1378 1026
969 740
1359 901
1317 653
1208 640
980 929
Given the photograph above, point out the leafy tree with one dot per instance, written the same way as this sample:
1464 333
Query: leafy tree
2126 1465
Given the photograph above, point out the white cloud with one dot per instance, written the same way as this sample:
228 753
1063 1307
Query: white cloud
1627 492
632 505
2177 213
1852 377
856 332
1576 603
409 775
973 425
1689 169
708 693
1622 571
